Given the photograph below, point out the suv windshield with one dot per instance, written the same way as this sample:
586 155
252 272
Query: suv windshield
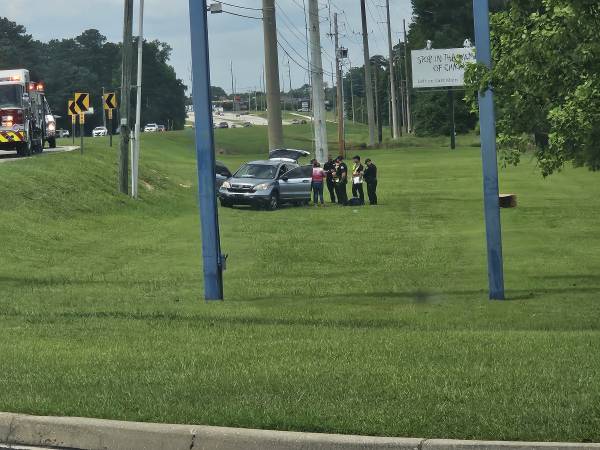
10 96
262 171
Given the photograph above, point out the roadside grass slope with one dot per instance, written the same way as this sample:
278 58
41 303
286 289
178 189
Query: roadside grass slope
369 320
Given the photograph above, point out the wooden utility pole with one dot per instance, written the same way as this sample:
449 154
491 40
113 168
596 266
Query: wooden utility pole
368 82
135 154
321 150
340 103
402 89
125 96
394 119
407 79
272 75
378 106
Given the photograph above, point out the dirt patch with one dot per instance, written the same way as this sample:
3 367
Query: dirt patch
147 186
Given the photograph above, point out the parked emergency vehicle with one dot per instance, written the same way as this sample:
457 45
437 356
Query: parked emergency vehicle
26 121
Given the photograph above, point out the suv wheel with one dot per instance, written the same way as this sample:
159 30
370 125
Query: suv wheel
273 203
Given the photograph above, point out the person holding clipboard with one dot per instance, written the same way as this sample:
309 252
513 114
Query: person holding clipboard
358 171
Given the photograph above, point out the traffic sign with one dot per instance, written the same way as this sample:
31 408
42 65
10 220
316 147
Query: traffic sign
74 119
82 102
71 109
110 101
81 118
110 114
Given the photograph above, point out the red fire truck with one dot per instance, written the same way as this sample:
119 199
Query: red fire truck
26 120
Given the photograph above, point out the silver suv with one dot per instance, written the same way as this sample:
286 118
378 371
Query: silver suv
269 183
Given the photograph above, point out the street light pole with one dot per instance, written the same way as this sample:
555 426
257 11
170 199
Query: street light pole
211 245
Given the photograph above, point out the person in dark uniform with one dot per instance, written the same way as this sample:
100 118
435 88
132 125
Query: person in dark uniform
329 168
358 171
341 179
370 177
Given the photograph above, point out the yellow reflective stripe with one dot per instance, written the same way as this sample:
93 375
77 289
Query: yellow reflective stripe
11 136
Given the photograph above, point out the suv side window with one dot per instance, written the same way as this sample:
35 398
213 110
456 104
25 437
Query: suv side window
283 169
299 172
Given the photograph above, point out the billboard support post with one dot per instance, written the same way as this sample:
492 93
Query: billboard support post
205 154
487 122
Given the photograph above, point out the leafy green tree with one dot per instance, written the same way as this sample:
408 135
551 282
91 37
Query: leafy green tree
546 80
88 63
17 48
217 92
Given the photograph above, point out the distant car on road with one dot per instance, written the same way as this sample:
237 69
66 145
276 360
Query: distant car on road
151 128
223 125
162 128
295 122
99 131
269 183
62 133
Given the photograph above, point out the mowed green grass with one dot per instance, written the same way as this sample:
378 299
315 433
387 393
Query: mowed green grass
370 320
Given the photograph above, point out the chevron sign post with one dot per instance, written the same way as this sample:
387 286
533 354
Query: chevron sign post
110 103
81 106
73 113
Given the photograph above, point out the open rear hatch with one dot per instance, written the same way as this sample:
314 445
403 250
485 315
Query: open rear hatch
288 154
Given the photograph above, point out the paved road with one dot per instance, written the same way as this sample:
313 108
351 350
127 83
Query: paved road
20 447
238 120
6 156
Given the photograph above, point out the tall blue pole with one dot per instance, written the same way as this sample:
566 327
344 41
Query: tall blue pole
205 155
487 123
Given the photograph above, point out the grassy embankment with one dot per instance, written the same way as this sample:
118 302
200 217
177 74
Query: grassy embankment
368 320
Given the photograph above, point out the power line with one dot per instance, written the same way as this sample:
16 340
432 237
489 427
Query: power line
242 15
241 7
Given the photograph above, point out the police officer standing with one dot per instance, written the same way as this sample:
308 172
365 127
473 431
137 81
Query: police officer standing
329 168
370 177
341 179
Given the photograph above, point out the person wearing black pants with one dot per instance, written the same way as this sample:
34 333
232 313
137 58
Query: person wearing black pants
329 168
370 177
357 180
341 179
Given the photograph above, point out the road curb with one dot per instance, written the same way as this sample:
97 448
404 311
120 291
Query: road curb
98 434
449 444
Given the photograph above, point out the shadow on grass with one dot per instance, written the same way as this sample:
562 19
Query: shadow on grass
215 316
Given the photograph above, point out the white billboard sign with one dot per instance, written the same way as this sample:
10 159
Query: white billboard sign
440 67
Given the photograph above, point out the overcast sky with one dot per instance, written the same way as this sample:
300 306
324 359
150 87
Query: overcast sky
232 38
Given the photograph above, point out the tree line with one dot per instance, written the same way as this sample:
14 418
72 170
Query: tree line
89 63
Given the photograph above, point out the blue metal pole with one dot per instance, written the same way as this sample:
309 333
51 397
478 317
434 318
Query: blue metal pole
487 122
211 245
